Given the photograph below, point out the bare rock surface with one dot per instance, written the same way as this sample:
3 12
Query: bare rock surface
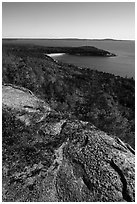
24 103
51 158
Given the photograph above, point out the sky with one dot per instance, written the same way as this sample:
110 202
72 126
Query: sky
88 20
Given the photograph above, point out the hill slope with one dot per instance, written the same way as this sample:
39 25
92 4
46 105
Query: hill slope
49 157
103 99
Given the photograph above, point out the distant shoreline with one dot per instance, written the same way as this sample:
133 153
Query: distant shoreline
41 38
123 65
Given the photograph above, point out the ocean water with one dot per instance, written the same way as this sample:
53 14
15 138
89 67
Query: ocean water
123 64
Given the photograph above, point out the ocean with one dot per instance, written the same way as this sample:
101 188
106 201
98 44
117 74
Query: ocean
121 65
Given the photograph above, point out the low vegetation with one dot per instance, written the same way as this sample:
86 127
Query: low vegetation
106 100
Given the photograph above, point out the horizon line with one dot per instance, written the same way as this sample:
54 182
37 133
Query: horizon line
67 38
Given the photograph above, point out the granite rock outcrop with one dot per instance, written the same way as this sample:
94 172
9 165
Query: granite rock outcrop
50 157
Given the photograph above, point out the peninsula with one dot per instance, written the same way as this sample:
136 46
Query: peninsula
80 51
